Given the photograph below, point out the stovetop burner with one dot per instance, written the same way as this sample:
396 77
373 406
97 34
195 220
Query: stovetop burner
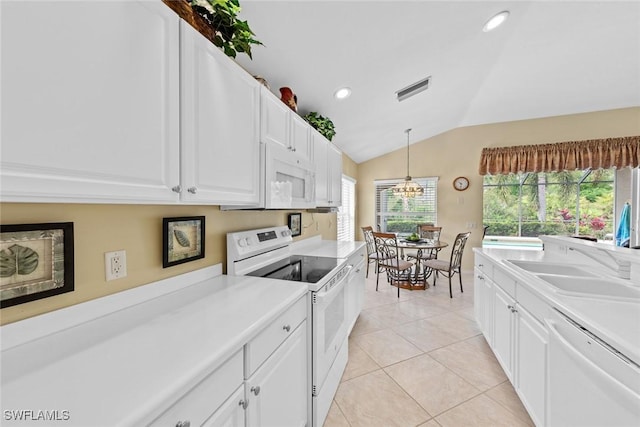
299 268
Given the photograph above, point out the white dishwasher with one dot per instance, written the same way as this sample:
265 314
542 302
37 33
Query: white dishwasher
590 383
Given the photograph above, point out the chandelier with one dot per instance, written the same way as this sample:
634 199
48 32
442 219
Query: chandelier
408 188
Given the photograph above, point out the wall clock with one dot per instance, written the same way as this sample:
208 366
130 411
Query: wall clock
461 183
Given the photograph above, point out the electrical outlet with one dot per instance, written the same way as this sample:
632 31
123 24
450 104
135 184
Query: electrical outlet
115 265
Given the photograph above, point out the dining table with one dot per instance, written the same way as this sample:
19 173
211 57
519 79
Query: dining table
422 246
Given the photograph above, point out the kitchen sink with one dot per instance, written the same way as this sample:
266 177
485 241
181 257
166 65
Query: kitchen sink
591 286
537 267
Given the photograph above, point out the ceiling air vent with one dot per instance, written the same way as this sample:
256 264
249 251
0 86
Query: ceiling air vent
413 89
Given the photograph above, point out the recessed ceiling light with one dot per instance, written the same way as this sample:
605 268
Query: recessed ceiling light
495 21
342 93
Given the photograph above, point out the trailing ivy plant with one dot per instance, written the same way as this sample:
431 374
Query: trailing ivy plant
322 124
232 34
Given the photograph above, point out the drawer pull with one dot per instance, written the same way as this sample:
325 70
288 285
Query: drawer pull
186 423
243 403
286 328
255 390
192 190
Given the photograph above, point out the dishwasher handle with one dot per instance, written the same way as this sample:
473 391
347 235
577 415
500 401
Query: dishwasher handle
588 353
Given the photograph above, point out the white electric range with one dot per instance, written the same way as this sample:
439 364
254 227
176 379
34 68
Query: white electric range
267 252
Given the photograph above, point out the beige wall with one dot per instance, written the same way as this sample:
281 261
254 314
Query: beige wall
138 230
457 153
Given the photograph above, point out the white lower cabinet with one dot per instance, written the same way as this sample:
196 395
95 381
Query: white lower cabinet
531 364
206 398
504 330
231 413
517 337
277 391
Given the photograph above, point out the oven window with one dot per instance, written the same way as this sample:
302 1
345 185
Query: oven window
333 319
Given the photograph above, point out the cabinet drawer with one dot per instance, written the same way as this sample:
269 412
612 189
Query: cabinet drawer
260 348
484 266
506 282
532 303
205 398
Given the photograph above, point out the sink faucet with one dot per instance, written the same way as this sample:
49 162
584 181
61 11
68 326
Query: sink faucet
622 268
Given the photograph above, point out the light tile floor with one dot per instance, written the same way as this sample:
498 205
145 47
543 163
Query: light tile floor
420 360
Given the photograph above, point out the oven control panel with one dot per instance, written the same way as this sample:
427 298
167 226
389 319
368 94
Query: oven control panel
243 244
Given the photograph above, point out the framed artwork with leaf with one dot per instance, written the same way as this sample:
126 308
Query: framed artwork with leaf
36 261
182 240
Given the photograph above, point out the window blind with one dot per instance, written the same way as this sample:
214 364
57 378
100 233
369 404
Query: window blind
347 212
395 214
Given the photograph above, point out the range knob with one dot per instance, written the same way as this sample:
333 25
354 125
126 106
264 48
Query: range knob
247 241
242 242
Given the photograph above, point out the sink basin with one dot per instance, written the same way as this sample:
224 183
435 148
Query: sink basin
591 286
538 267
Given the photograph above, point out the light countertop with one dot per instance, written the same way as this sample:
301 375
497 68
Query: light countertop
315 246
615 321
126 367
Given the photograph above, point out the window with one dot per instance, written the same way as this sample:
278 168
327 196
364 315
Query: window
395 214
347 212
555 203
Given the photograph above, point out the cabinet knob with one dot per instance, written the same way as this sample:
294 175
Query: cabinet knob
186 423
480 277
255 390
480 265
192 190
243 403
286 328
176 189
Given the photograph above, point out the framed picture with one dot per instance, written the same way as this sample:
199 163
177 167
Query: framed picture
295 224
36 261
182 240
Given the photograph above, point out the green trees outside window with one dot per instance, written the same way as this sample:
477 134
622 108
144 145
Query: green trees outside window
554 203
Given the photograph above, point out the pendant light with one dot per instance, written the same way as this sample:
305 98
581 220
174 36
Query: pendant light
408 188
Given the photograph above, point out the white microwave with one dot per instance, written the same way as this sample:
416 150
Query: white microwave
287 182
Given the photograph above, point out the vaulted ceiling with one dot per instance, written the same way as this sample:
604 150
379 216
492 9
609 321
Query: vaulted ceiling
547 59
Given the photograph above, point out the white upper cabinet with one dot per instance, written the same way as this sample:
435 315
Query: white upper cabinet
220 120
300 140
90 102
328 162
281 125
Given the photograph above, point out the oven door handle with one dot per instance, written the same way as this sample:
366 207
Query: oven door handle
322 297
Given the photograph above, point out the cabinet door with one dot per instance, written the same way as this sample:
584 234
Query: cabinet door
90 102
478 291
231 413
274 120
334 162
320 159
503 330
531 364
220 125
301 137
488 292
277 393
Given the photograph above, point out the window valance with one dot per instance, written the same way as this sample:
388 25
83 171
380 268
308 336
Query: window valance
595 154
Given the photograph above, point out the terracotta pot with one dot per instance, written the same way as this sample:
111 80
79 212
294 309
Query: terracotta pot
288 97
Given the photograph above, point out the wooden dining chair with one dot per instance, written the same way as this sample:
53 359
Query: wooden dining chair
448 269
398 270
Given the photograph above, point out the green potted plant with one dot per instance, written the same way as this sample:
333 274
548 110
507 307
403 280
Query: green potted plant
231 34
322 124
